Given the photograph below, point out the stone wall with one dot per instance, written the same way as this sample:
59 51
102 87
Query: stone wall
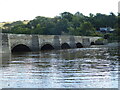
5 43
35 42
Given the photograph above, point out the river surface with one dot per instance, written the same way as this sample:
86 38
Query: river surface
93 67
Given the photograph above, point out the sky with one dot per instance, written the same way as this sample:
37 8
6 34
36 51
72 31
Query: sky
14 10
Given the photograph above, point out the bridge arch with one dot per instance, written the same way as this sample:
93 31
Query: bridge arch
92 43
79 45
20 48
47 46
65 46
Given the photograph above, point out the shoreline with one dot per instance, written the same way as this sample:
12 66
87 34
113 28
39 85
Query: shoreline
114 44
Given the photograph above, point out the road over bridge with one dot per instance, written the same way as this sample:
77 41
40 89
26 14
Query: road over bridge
23 42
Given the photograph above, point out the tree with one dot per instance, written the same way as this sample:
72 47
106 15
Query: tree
66 23
62 26
20 29
86 29
67 15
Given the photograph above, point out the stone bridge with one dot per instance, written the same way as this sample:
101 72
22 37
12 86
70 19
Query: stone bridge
23 42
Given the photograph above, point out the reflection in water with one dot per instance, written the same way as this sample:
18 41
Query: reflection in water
95 67
6 58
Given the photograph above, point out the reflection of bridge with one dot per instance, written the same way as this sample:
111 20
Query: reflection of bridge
22 42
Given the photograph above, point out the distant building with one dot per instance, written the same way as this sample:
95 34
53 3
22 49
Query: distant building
106 30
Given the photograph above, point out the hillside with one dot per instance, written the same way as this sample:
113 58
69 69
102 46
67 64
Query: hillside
3 23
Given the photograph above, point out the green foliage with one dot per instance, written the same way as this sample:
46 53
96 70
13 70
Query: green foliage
20 29
66 23
100 41
116 35
86 29
67 15
73 31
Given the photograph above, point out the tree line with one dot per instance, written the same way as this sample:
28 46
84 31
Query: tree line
65 24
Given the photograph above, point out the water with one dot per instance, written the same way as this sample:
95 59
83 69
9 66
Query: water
94 67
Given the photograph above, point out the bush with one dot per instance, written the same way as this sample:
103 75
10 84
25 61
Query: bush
101 41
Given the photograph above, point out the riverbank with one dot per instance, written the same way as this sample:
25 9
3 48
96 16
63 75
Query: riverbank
114 44
108 45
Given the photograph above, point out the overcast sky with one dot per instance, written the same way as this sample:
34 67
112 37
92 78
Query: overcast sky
13 10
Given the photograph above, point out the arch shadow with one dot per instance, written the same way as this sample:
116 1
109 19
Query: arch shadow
92 43
21 48
47 47
79 45
65 46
